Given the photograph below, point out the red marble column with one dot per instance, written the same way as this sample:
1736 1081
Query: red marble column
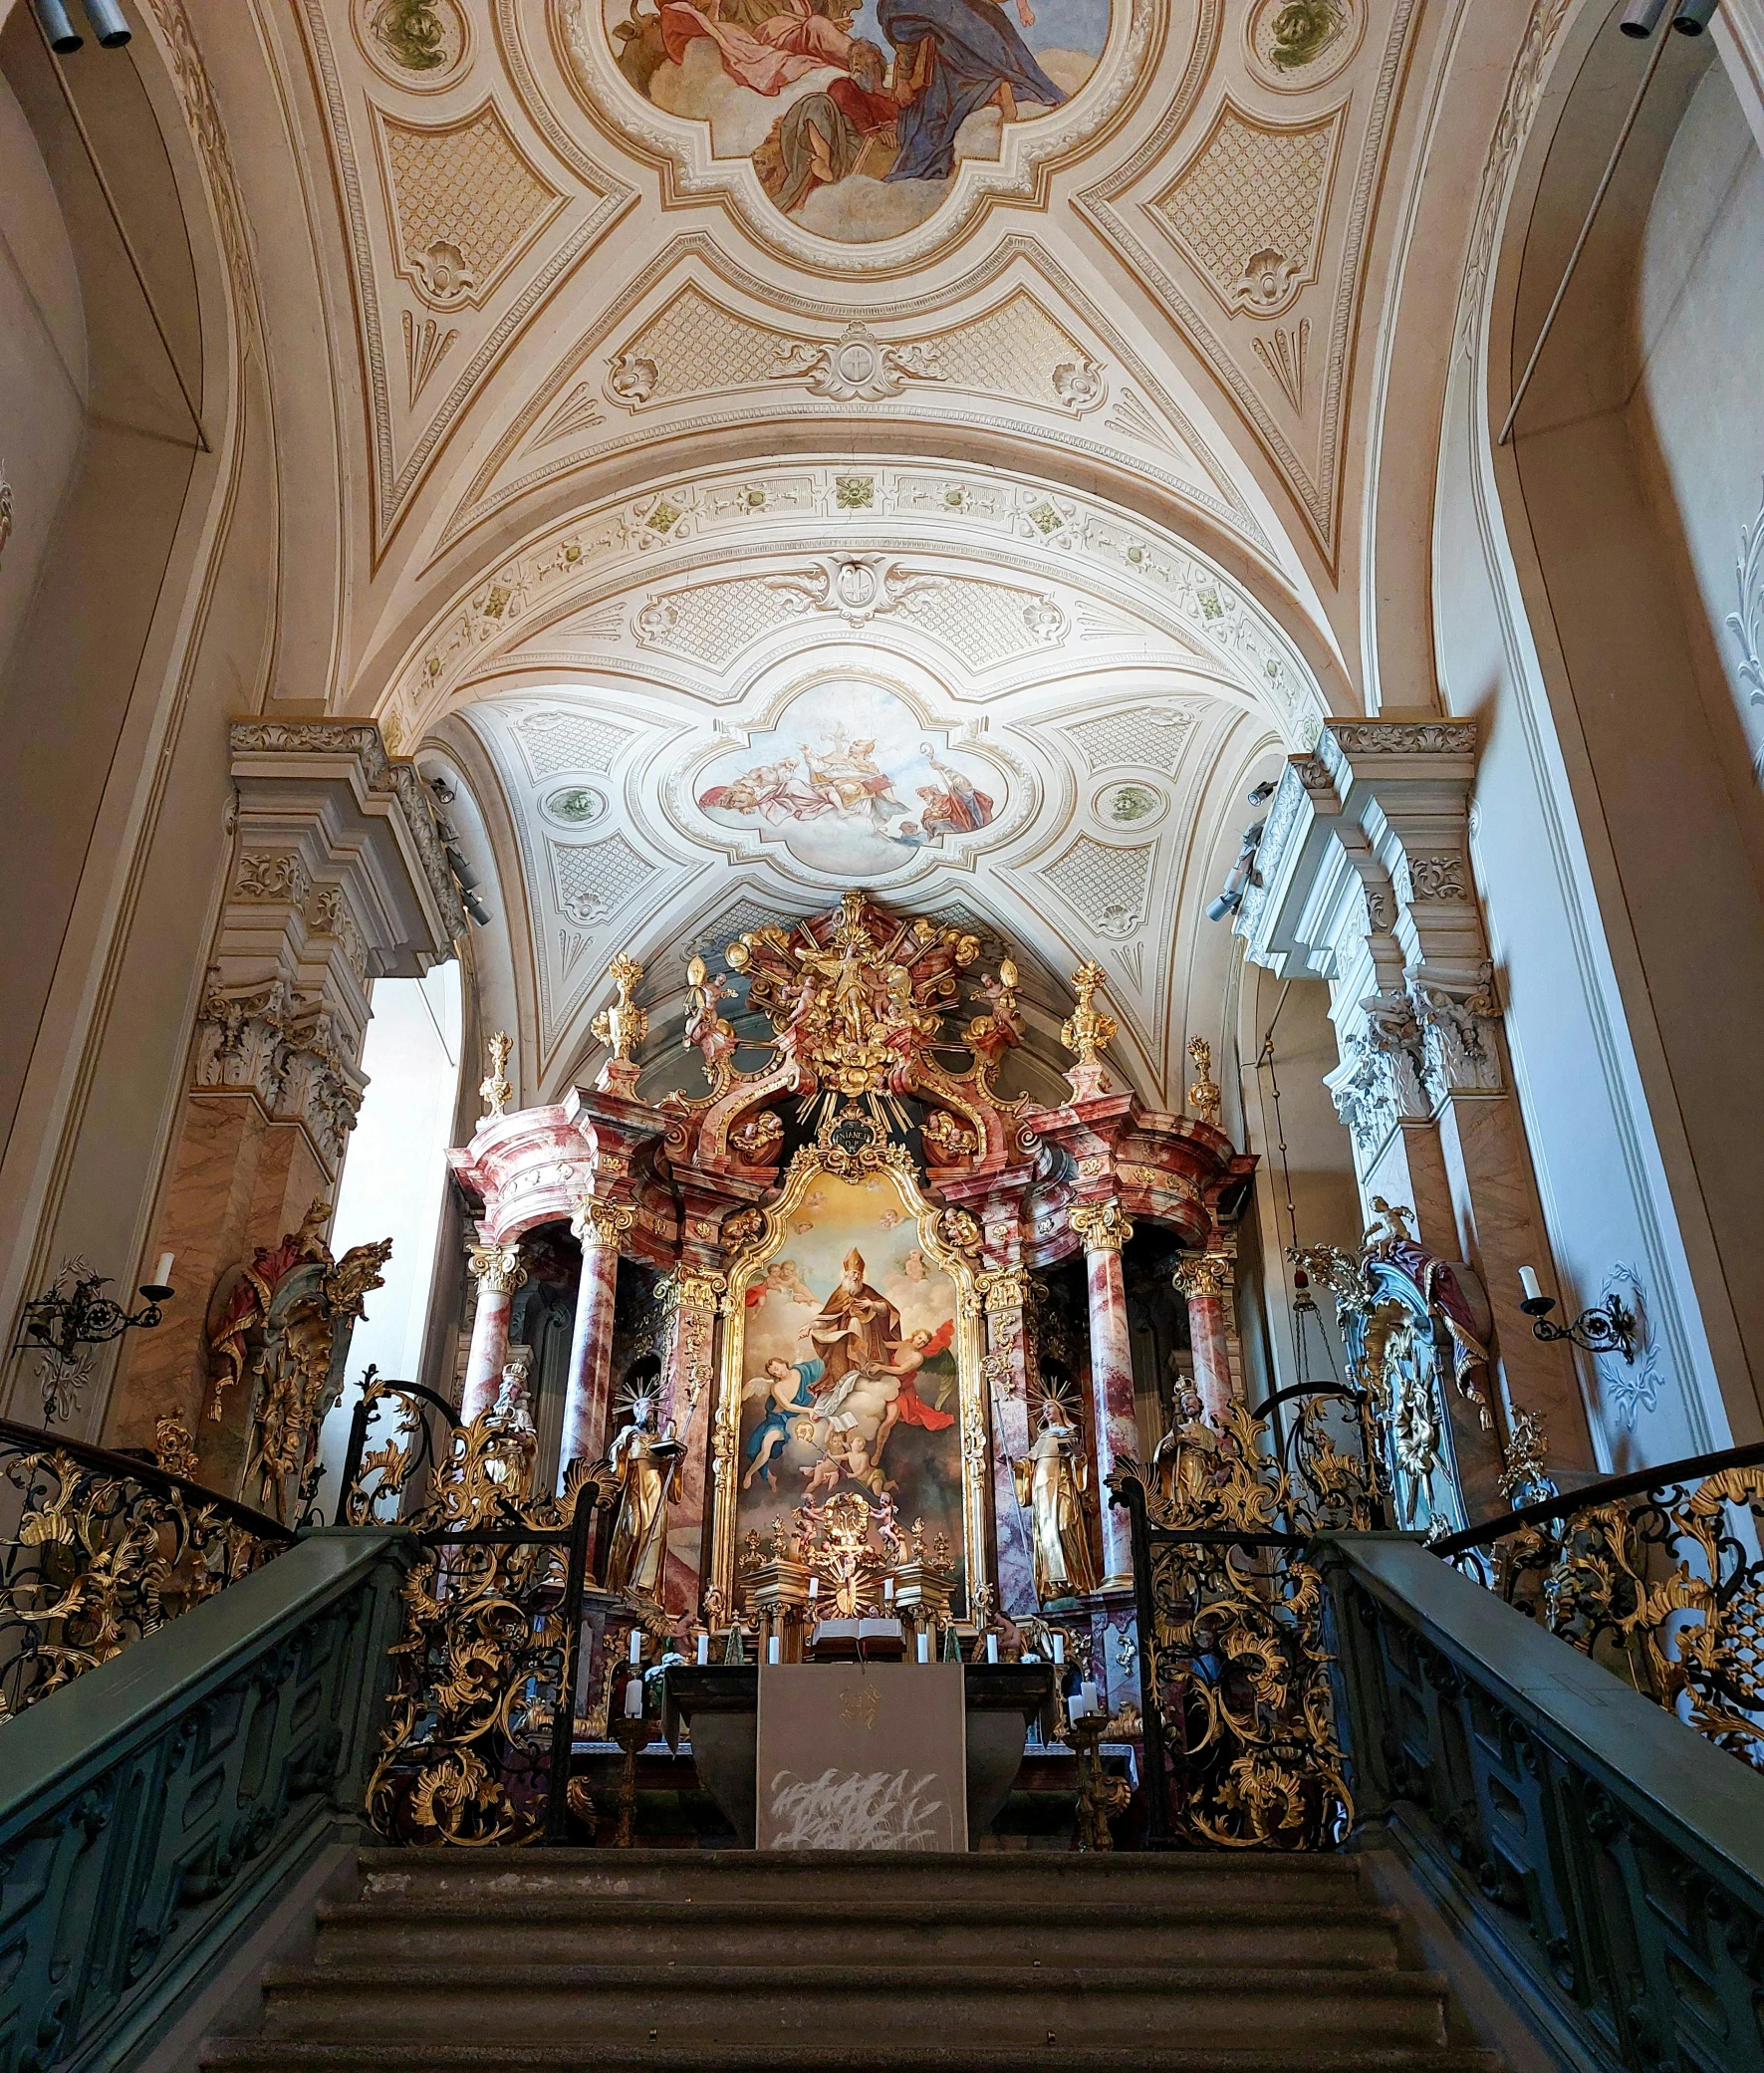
498 1272
1105 1230
586 1386
1203 1279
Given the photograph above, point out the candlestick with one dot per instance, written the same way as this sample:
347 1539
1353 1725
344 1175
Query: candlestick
1528 1282
992 1647
703 1650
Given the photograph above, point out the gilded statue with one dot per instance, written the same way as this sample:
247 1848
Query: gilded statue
644 1464
1051 1481
1187 1459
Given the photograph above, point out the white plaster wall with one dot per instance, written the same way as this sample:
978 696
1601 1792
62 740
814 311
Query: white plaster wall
394 1178
43 372
1699 324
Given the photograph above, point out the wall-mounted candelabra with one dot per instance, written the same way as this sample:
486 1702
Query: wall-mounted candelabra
1608 1327
74 1313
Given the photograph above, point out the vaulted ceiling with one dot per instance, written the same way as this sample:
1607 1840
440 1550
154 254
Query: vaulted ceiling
661 436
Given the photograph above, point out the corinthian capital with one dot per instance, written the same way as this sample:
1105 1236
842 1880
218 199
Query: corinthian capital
600 1224
1203 1274
497 1269
1103 1227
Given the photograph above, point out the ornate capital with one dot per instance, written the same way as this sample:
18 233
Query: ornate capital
600 1224
496 1269
1203 1275
695 1288
1004 1288
1103 1227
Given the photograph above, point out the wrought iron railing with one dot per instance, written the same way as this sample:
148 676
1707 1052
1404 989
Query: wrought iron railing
1240 1746
482 1715
1657 1576
98 1549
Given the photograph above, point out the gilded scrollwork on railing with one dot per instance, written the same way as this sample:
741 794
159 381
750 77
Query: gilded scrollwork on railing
1657 1577
481 1715
1239 1716
99 1551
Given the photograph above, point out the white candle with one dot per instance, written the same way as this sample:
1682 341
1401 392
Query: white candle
634 1699
703 1650
636 1645
1059 1647
992 1647
1031 1656
163 1271
924 1647
888 1590
1090 1700
772 1649
814 1589
1528 1281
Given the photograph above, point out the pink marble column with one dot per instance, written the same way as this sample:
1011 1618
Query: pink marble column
498 1272
1105 1230
599 1226
1203 1279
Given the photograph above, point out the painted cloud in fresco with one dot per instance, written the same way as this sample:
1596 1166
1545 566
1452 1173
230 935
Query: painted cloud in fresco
851 783
855 114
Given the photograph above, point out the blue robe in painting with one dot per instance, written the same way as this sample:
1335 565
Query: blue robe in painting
978 49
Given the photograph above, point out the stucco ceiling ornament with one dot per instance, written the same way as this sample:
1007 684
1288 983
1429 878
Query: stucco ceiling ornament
420 45
885 195
978 514
857 367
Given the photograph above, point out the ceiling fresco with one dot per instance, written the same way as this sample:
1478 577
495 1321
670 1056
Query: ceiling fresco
813 444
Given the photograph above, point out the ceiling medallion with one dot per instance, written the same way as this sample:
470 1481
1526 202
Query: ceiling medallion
422 46
573 806
878 126
1129 805
1295 45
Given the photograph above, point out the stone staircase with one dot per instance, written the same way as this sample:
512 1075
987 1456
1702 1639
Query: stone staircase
737 1962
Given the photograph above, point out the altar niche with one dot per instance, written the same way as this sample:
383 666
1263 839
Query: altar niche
852 1361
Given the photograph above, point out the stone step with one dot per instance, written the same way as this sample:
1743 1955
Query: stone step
561 1929
836 2055
1315 1880
1216 2006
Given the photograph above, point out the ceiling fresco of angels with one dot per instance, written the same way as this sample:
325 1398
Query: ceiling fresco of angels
851 783
856 114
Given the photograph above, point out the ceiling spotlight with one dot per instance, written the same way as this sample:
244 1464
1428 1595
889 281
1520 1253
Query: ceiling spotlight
52 18
1226 904
446 793
1642 17
109 23
1267 788
462 869
479 912
1693 17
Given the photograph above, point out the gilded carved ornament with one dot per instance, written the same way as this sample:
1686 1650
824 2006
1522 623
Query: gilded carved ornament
1088 1032
599 1224
622 1026
494 1089
1204 1095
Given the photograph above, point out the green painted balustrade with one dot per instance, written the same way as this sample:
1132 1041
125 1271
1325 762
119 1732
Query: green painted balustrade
151 1805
